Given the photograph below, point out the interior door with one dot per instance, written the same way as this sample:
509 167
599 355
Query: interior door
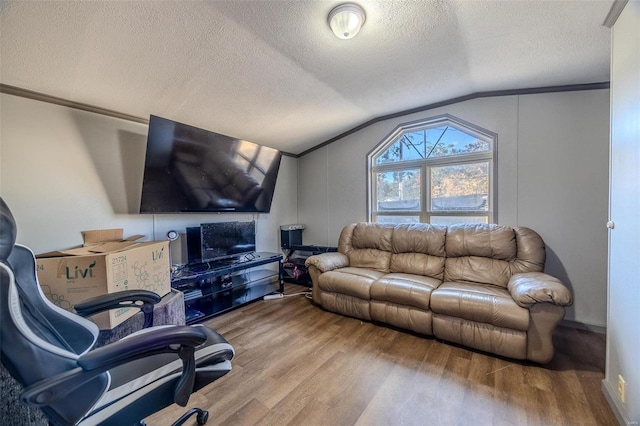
623 326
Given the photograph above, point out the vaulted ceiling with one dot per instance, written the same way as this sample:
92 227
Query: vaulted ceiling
273 73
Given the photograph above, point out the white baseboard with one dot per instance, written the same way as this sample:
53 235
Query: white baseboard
616 405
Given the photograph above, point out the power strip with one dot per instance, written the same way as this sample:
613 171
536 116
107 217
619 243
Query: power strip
273 296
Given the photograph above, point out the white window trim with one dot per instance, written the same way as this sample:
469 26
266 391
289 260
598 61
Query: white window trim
424 165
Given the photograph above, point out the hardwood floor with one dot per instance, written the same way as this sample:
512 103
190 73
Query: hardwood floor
297 364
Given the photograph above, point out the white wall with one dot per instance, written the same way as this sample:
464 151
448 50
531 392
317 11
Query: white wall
333 178
63 171
563 172
623 333
552 177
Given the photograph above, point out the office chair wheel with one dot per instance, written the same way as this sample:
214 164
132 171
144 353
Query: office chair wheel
201 418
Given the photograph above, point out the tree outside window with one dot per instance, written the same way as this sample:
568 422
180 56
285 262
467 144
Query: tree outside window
436 171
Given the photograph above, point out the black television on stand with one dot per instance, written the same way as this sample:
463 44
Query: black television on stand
219 242
191 170
227 240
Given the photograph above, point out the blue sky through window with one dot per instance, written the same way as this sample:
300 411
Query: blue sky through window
428 143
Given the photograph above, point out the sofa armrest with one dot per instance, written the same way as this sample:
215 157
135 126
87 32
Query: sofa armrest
530 288
327 261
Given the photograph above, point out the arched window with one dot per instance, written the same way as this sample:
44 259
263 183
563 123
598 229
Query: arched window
440 170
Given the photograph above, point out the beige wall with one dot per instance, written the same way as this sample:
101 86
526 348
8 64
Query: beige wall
552 177
63 171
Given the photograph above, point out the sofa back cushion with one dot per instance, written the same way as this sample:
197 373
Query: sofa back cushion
487 254
418 249
491 254
367 245
409 248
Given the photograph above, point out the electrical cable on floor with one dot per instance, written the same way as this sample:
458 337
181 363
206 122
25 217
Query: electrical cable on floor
307 294
297 294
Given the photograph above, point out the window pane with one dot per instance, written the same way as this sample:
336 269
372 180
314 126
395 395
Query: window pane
460 187
398 190
450 220
394 153
409 146
451 141
428 143
398 219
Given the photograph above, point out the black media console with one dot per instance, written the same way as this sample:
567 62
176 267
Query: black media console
294 270
213 287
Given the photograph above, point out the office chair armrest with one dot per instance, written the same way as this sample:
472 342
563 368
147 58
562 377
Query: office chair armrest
156 341
142 299
179 339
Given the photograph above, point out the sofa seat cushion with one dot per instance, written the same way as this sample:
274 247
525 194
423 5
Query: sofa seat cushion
406 317
404 289
482 303
346 305
349 281
486 337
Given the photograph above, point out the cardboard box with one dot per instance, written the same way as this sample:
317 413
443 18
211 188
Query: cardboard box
105 263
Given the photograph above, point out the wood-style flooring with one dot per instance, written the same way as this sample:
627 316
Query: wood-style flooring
297 364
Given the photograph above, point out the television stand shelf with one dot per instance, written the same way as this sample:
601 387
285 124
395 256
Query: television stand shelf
215 287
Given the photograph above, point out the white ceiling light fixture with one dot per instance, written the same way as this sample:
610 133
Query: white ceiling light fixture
346 20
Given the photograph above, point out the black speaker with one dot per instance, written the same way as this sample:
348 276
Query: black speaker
291 237
194 245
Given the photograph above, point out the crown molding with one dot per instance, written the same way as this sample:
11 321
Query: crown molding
29 94
37 96
511 92
17 91
614 13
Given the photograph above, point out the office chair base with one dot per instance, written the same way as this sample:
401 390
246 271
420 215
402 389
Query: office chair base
201 418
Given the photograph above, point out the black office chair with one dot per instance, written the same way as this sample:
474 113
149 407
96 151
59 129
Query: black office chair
50 352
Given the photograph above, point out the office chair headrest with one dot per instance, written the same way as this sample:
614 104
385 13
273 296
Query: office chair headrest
7 231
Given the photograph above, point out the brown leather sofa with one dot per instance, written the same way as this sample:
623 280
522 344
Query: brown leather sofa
481 286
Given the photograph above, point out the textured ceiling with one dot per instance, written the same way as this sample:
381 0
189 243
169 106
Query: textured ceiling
273 73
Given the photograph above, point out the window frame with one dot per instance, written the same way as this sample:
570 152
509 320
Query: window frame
424 165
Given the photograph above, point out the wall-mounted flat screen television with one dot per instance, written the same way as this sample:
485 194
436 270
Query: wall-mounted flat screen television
190 170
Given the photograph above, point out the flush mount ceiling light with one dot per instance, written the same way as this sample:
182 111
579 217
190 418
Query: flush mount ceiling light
346 20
